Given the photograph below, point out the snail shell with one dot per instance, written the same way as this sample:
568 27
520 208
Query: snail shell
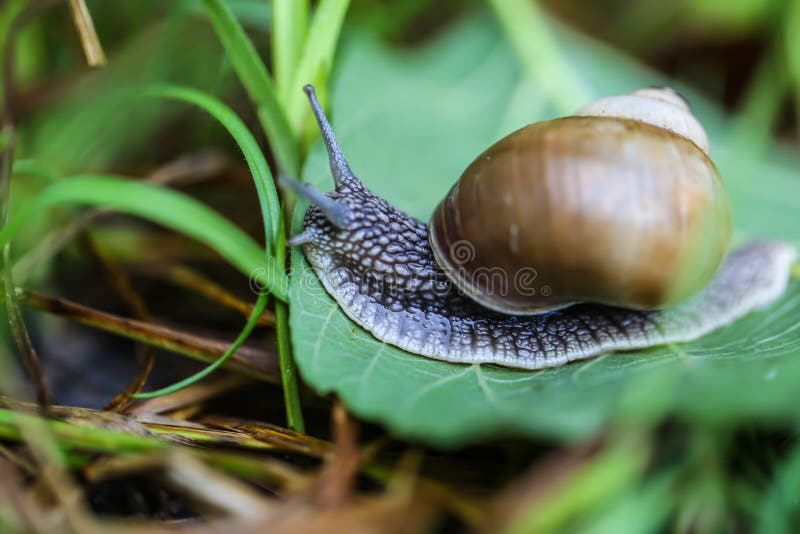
379 265
604 208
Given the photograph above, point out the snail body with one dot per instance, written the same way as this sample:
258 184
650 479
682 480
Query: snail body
597 284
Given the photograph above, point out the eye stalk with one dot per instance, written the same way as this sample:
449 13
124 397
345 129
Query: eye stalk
336 212
342 175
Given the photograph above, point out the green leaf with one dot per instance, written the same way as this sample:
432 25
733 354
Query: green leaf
163 206
409 124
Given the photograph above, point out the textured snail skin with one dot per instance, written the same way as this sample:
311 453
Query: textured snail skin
381 271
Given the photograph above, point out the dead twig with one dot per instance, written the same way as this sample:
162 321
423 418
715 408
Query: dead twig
337 477
122 285
92 48
185 277
267 432
261 364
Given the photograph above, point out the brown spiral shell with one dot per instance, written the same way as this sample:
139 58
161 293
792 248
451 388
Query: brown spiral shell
596 209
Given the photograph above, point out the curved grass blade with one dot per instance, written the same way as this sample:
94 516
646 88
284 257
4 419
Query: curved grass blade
253 75
258 309
265 185
166 207
270 207
37 169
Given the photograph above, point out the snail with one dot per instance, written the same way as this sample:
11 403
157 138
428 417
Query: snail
607 230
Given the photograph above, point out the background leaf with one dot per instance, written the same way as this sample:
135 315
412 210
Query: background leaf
409 128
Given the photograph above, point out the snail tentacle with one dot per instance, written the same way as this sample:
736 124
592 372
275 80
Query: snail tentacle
306 236
336 212
343 177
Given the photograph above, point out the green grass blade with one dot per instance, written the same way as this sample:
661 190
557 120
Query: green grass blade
317 59
778 510
589 488
288 35
265 185
291 394
256 14
37 169
253 75
754 124
8 14
258 309
90 438
526 28
791 36
6 138
166 207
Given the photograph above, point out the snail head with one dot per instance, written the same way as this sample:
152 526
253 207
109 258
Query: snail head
334 208
349 209
353 228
